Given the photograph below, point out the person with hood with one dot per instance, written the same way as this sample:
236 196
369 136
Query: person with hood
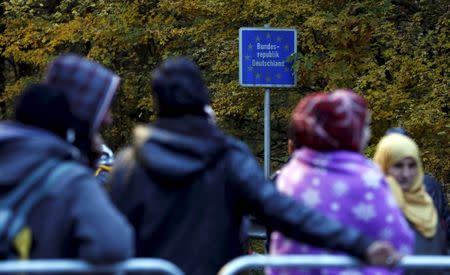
74 219
185 186
329 173
398 157
90 89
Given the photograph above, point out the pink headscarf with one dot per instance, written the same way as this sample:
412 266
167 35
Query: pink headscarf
329 122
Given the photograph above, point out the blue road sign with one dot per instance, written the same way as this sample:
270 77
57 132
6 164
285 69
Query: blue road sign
263 54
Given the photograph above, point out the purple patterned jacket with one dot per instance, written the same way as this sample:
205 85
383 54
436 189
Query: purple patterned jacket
348 187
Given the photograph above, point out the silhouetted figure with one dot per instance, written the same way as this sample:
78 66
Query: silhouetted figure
73 218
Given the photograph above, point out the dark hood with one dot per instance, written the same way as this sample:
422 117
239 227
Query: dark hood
89 86
175 150
23 148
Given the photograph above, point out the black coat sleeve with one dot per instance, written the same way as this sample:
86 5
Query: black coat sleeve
440 201
260 198
103 233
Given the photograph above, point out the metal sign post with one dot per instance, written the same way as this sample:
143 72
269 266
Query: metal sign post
267 133
263 54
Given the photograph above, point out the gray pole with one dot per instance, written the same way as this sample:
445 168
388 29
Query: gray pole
267 133
267 129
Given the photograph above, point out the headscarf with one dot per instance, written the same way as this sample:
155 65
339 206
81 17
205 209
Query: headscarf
328 122
416 204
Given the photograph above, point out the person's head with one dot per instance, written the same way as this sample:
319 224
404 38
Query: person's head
45 107
90 89
179 89
334 121
396 130
398 157
89 86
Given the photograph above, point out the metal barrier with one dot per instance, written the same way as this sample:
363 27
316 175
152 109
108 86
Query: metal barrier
308 261
75 266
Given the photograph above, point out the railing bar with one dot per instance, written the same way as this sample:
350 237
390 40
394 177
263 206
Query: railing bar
241 263
75 266
308 261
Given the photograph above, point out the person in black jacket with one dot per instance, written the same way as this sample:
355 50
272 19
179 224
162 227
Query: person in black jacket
74 219
185 186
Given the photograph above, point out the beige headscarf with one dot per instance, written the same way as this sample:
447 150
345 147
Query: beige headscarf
415 203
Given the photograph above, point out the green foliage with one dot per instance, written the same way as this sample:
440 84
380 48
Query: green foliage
395 53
